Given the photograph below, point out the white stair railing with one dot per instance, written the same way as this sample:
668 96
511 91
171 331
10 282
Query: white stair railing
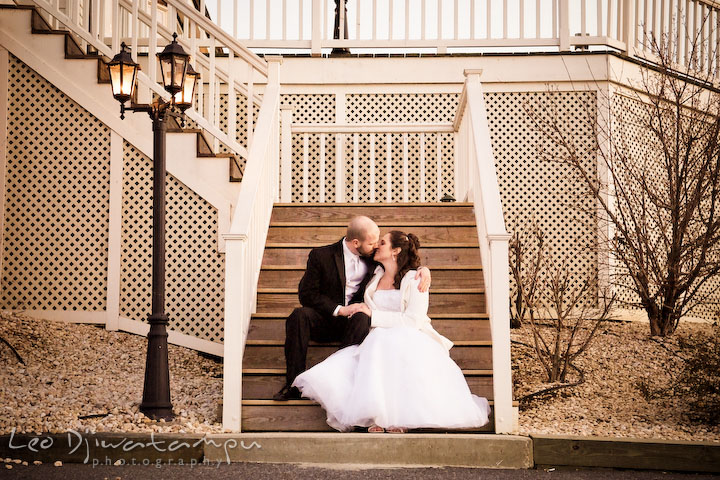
146 26
477 182
245 244
388 152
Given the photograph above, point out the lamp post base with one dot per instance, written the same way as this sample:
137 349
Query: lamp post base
156 394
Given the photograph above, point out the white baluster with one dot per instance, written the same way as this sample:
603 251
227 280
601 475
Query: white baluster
406 196
374 20
305 168
372 168
231 97
422 167
388 169
322 168
250 105
286 149
439 166
356 172
339 168
317 27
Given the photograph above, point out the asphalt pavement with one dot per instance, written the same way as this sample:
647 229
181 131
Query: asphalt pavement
265 471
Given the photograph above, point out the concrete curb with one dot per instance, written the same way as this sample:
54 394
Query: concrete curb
462 450
643 454
408 450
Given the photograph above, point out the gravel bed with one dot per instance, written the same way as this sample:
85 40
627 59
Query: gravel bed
75 370
609 403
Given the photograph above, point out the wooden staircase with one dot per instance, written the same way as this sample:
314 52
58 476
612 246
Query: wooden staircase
73 51
449 247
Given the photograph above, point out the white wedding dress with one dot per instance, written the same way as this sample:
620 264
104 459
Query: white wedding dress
397 377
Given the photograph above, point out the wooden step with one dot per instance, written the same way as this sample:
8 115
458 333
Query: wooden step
321 234
258 387
273 356
441 278
439 302
380 213
456 329
268 416
429 256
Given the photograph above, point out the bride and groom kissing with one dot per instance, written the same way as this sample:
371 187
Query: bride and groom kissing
393 370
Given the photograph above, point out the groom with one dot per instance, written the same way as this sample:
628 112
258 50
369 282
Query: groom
335 277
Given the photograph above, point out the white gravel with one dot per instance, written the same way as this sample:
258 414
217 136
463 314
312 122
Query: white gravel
74 370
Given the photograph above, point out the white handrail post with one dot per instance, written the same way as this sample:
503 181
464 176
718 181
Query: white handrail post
316 30
286 153
564 25
505 415
234 331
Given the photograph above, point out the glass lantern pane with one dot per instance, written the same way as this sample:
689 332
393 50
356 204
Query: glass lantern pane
166 71
179 70
115 79
128 80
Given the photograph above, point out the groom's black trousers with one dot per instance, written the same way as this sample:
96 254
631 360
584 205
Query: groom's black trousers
305 324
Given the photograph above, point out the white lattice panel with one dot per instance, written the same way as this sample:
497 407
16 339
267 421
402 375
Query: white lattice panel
641 146
535 191
310 107
56 199
194 269
400 107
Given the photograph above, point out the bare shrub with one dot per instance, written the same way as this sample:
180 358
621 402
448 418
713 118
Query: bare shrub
564 315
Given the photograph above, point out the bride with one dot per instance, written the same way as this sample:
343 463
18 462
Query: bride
401 376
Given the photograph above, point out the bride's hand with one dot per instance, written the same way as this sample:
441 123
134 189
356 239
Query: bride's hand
361 307
423 274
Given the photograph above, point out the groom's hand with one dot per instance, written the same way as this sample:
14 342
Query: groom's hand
423 274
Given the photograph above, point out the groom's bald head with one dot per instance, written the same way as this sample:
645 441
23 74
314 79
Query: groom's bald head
363 234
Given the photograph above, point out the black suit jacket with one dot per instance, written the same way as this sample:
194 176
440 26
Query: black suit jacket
323 285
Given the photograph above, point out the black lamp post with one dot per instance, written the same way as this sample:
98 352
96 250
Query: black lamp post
180 81
336 31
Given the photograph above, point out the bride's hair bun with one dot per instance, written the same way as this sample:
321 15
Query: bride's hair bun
414 241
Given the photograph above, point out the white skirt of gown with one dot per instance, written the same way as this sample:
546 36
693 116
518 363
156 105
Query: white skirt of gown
397 377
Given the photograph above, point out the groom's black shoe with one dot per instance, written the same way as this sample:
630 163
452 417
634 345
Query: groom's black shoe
287 393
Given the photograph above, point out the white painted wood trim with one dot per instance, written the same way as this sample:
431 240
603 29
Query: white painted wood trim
68 316
4 97
372 127
114 231
174 337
